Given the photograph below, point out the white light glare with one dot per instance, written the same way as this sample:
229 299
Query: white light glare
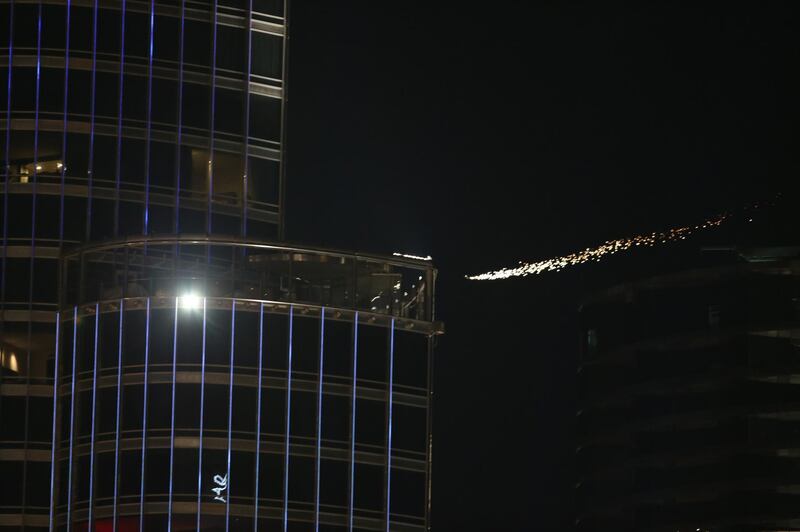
415 257
190 301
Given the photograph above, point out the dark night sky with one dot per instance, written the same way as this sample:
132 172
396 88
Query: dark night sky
520 130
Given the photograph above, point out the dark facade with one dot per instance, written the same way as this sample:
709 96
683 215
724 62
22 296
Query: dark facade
204 376
689 400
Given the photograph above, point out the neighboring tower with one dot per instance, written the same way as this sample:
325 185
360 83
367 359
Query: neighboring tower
689 400
144 139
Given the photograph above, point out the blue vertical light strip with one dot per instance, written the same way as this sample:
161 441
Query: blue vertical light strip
258 412
390 385
318 456
172 413
176 215
146 226
72 414
94 413
213 123
202 402
288 424
353 427
90 195
64 129
230 416
53 463
144 415
119 410
117 163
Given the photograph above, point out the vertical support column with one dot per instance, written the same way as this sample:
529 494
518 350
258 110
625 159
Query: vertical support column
94 415
72 414
118 426
258 413
429 467
351 481
389 404
144 416
172 413
287 446
54 442
202 402
230 416
318 456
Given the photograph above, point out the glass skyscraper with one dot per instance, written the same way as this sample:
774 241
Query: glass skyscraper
166 362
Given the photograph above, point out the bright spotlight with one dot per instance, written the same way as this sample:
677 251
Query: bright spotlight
190 301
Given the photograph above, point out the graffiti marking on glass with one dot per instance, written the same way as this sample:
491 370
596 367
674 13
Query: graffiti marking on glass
222 485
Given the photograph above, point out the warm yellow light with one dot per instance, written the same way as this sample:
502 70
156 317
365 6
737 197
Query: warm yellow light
190 301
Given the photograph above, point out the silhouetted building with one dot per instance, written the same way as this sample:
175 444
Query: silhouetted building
205 375
689 400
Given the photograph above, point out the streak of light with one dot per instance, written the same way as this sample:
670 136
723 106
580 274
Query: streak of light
415 257
596 254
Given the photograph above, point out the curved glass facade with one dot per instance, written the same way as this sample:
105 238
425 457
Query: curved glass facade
688 394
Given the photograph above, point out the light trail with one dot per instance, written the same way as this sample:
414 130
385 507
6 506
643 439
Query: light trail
595 254
415 257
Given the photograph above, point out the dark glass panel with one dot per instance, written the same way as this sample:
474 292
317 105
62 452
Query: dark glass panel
185 471
194 169
218 337
160 219
108 31
132 161
336 411
408 493
132 401
263 183
102 226
79 92
267 50
242 479
166 41
51 91
190 337
45 275
338 347
162 324
74 218
265 117
107 95
23 93
134 99
271 477
373 352
26 21
196 106
107 412
187 406
368 487
231 48
104 476
200 35
80 32
37 483
409 428
54 34
165 101
411 359
229 109
134 327
301 478
305 344
77 156
130 463
18 272
40 417
48 211
304 414
276 340
19 215
370 422
244 410
227 177
137 34
105 161
157 470
109 339
273 411
334 482
246 341
12 480
12 422
215 409
131 218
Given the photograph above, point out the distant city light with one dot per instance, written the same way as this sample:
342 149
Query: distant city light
415 257
605 249
190 301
